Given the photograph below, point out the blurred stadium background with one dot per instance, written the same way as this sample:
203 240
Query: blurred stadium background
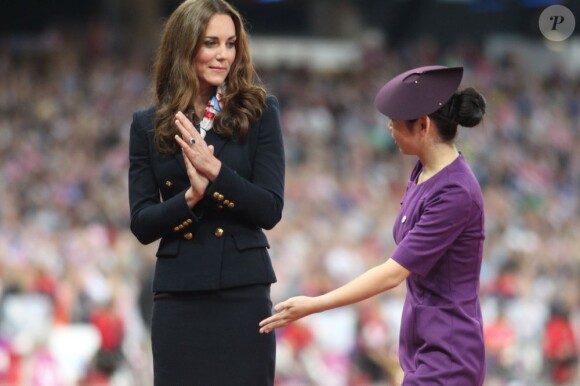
74 283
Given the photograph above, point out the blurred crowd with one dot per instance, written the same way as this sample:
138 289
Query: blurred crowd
75 284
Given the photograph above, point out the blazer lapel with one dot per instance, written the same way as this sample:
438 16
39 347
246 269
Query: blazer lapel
178 156
218 142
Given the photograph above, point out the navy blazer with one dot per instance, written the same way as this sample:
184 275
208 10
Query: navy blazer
220 243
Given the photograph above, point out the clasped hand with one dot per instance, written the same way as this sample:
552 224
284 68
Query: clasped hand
201 164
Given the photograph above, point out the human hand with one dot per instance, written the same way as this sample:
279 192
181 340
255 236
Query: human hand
198 184
196 149
287 312
197 181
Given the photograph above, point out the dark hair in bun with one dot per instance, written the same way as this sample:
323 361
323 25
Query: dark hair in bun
465 108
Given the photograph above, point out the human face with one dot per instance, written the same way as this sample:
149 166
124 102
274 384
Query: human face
404 136
217 52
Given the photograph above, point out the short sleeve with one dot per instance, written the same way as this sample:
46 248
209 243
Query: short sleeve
444 217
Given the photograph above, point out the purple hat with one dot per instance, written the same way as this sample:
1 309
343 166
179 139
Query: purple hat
418 92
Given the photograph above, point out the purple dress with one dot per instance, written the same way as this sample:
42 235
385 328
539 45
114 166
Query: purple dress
439 234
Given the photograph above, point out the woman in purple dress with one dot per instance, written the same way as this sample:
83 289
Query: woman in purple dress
439 233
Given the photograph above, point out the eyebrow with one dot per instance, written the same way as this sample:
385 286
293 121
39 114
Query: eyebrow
216 37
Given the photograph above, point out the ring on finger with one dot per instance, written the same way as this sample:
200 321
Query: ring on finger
192 140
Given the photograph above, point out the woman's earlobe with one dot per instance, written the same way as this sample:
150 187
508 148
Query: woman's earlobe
425 124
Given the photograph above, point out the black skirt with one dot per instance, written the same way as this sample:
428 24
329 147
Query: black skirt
211 338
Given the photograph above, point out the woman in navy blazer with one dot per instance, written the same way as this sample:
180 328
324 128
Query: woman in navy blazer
206 177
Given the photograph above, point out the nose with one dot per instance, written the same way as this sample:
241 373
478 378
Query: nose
220 54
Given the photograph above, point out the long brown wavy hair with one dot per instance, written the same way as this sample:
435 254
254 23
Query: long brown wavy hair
177 84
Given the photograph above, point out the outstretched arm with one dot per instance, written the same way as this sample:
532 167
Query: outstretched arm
374 281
